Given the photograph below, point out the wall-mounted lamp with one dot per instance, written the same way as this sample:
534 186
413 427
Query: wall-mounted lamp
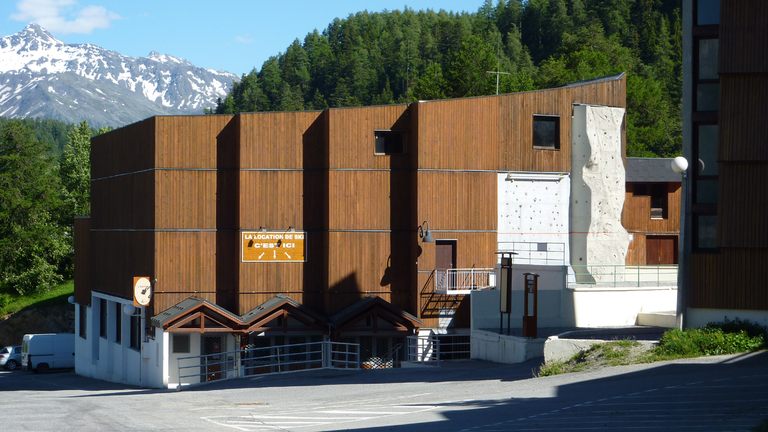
509 178
680 165
71 300
425 234
130 309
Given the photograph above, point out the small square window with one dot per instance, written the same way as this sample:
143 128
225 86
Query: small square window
388 142
546 132
180 343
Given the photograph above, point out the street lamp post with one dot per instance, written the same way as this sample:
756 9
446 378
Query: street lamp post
680 166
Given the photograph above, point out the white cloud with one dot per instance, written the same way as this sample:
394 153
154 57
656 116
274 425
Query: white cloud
63 16
244 39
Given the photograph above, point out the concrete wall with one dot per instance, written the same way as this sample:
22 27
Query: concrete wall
504 348
698 317
109 360
533 213
597 190
615 307
485 304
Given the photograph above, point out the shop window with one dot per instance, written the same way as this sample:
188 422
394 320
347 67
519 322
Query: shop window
546 132
387 142
706 231
118 323
83 320
135 332
707 12
180 343
102 318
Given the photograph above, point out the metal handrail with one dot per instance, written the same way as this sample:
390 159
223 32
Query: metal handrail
464 281
267 360
541 253
618 276
432 349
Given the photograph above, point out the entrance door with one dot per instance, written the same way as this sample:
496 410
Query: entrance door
660 250
445 258
213 362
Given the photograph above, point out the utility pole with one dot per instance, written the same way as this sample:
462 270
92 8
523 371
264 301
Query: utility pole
497 73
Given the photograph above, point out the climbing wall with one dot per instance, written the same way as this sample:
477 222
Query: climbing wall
598 240
533 216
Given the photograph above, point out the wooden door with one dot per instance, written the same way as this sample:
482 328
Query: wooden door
213 360
445 258
660 250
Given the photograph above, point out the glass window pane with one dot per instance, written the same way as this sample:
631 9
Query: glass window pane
706 191
706 231
707 150
708 52
708 97
546 132
707 12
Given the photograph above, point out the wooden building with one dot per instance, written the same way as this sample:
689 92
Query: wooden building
724 134
652 211
284 225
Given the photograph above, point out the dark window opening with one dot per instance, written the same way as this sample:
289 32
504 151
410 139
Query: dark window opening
135 332
658 196
389 142
83 321
707 12
118 322
546 132
103 318
705 227
180 343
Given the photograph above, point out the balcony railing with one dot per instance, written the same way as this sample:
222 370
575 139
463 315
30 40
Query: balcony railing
464 281
621 276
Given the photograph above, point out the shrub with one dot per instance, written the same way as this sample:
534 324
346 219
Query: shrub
707 341
737 325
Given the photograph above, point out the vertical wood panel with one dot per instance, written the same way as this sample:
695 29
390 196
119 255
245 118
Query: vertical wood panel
185 199
743 36
118 256
124 150
185 263
351 135
272 199
188 141
458 200
124 202
82 261
275 140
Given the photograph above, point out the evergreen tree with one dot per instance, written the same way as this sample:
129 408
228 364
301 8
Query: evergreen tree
32 243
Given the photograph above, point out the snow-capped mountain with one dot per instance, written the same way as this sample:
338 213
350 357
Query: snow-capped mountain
41 76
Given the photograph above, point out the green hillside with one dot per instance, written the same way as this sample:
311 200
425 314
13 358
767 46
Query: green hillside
404 56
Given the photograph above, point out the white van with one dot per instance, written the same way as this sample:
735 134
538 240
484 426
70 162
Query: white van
48 351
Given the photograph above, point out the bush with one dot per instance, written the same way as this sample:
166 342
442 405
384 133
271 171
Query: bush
707 341
737 325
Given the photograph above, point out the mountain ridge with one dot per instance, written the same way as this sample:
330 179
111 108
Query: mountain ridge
42 77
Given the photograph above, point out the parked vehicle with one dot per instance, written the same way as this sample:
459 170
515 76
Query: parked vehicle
10 357
40 352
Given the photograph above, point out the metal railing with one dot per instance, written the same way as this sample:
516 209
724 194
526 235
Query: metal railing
432 349
464 281
541 253
623 276
267 360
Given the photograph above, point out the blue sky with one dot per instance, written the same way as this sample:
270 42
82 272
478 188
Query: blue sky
231 35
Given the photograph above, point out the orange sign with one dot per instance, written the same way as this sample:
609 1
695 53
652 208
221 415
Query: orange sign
272 246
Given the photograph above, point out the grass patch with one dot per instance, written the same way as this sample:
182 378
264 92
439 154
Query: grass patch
729 337
614 353
11 304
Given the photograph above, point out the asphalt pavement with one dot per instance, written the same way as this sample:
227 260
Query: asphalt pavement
726 393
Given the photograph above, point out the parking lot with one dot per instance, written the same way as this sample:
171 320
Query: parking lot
728 393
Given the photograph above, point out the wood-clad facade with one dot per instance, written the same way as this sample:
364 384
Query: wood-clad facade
171 197
728 227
